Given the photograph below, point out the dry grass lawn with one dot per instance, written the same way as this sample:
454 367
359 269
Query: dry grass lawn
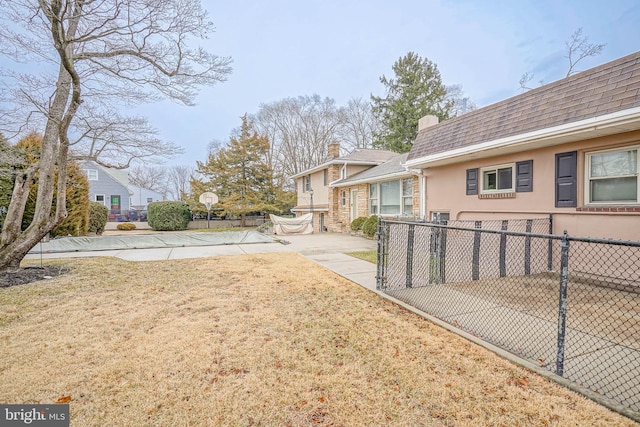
270 340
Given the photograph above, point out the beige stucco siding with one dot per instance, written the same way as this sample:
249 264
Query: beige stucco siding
446 192
320 191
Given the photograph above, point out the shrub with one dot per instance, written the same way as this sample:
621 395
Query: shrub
126 226
98 215
265 227
77 221
356 224
168 216
370 226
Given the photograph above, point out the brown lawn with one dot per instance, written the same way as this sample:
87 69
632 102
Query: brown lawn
270 340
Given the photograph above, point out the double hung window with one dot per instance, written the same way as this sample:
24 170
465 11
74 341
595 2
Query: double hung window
612 176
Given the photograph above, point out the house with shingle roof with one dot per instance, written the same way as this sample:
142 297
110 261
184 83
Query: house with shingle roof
569 148
317 191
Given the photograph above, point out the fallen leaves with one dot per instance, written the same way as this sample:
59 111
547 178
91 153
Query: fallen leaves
64 399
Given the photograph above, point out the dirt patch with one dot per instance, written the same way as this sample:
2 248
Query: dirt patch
271 340
30 274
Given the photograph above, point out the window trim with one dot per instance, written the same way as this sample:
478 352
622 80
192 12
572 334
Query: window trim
376 198
91 172
496 168
343 198
402 197
103 201
306 183
587 177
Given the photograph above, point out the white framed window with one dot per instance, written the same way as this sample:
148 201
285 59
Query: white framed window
612 176
391 197
306 183
100 199
498 179
92 174
373 199
343 198
407 196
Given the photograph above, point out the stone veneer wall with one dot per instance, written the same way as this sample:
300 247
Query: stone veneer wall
339 219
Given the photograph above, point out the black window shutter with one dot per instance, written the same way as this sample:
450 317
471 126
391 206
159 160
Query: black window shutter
472 181
524 176
566 180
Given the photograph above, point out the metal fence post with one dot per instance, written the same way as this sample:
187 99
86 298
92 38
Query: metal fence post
381 256
562 302
409 268
550 248
475 263
503 249
527 249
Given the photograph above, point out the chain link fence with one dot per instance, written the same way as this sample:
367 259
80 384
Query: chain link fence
571 305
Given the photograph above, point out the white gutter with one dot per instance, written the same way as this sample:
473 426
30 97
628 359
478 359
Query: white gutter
540 138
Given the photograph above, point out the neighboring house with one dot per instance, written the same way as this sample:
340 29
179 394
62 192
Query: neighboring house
109 187
570 149
141 197
316 193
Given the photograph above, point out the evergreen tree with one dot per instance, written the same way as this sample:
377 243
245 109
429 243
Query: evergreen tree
77 201
416 91
240 175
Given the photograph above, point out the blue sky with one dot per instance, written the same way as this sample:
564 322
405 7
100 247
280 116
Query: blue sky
340 48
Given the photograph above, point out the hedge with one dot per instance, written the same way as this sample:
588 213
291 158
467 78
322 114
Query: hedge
168 216
98 216
356 224
370 226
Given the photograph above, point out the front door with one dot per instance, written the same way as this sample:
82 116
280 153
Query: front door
115 204
354 205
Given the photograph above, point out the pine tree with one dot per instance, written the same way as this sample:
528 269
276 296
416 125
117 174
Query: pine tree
240 175
416 91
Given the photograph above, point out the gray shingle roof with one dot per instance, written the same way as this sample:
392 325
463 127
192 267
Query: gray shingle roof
368 155
394 165
608 88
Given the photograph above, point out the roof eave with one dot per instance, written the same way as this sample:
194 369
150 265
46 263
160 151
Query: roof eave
336 162
380 178
609 124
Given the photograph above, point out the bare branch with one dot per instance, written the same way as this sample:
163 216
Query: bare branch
578 48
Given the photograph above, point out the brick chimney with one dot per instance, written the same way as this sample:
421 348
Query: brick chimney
334 150
427 121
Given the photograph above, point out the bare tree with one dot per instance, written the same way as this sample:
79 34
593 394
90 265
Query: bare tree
102 53
299 131
150 177
179 181
357 125
115 141
577 48
460 104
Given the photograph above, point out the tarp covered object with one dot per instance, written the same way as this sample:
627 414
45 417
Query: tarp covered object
146 241
298 225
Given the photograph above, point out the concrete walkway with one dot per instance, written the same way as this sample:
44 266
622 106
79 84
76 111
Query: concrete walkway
326 249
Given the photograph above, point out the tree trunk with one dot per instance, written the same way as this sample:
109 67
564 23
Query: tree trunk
54 153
